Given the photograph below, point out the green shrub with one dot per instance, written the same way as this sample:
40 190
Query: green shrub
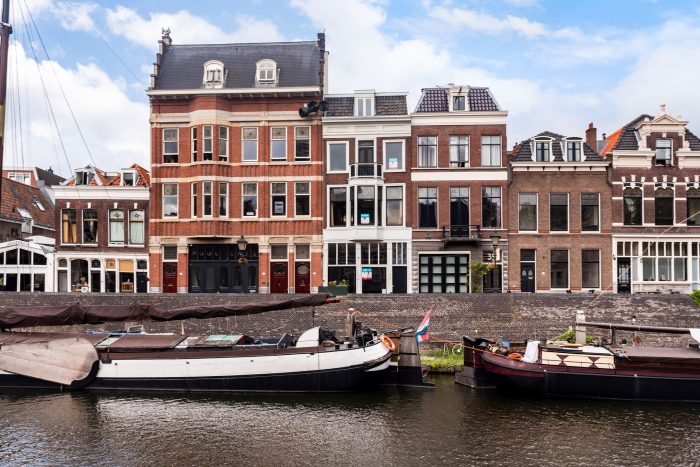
696 297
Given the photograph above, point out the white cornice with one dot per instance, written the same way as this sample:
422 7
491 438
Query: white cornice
238 92
88 193
459 176
459 118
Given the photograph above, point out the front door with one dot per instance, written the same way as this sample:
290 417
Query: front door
278 278
492 280
399 279
527 277
169 277
302 278
623 275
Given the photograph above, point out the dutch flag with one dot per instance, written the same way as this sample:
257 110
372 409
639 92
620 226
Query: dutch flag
422 331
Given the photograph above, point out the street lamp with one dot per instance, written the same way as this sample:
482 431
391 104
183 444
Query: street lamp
242 244
243 261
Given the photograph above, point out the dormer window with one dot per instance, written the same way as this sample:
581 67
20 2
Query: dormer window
27 220
363 107
542 151
266 72
82 177
214 75
129 178
573 151
459 103
663 151
21 177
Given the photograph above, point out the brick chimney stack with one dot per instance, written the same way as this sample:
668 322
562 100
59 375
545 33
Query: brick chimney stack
592 137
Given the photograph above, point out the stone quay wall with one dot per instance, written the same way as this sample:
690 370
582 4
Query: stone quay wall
508 316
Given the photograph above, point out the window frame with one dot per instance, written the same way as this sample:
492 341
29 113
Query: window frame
543 148
224 138
328 156
298 195
273 139
243 199
500 207
177 201
403 205
641 205
94 220
568 269
420 146
363 106
551 225
223 195
194 135
385 154
459 98
436 204
574 143
142 221
459 163
520 206
490 145
63 226
207 193
165 141
583 229
112 219
672 215
297 139
273 195
245 160
207 156
193 200
688 216
583 286
668 150
329 214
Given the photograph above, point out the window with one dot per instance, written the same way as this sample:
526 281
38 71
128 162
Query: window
491 151
279 198
527 213
365 205
558 212
427 207
459 103
223 143
394 205
393 155
213 74
459 211
491 206
338 200
193 203
206 199
27 220
399 253
443 273
693 206
69 226
427 151
363 107
266 72
573 151
632 205
663 151
302 199
223 199
128 178
541 151
590 212
170 145
20 177
365 157
278 252
663 206
207 143
302 143
250 144
89 226
278 143
116 226
337 157
170 200
250 199
194 144
459 151
590 269
82 177
559 267
303 252
170 253
136 227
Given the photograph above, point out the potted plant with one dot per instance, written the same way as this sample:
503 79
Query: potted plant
335 287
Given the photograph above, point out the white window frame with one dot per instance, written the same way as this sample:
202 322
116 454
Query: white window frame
403 205
272 138
176 141
403 155
581 212
437 152
257 200
214 74
347 206
670 158
82 224
550 155
600 268
207 156
25 177
364 106
223 200
449 152
296 158
273 195
194 134
328 156
537 212
210 194
308 195
142 221
133 174
286 252
568 269
271 72
194 195
109 227
500 150
257 144
568 213
566 149
223 143
177 201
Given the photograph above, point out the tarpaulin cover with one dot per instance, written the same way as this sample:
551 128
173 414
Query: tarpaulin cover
30 316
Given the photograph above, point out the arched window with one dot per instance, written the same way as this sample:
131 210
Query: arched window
214 75
266 72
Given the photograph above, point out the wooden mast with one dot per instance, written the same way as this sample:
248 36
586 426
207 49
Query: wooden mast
5 31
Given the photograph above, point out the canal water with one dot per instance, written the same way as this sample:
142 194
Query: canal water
450 425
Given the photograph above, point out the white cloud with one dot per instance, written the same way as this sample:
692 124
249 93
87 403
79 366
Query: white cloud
488 24
75 16
187 28
116 129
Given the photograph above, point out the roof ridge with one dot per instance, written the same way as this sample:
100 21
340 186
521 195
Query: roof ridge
244 44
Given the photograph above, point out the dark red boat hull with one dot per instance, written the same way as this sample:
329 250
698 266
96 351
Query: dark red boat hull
561 381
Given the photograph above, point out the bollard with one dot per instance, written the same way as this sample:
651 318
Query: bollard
580 329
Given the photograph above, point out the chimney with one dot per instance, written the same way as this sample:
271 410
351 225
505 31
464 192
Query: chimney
592 137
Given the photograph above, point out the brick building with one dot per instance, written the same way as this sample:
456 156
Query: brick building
656 201
559 223
458 175
236 154
102 224
367 234
26 211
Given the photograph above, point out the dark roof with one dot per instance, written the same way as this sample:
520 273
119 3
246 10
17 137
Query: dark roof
435 100
49 177
344 106
523 151
624 138
693 140
182 66
16 195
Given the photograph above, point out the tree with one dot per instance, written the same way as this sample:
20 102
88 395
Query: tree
477 271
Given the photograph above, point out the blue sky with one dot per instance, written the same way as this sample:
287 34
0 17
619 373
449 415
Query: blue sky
554 65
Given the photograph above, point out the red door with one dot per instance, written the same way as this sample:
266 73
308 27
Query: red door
302 278
278 279
169 277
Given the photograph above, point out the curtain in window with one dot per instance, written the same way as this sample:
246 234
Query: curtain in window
136 228
116 226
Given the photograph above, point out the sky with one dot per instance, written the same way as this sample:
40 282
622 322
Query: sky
78 70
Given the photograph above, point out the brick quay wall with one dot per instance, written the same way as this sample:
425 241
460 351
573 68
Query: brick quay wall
507 316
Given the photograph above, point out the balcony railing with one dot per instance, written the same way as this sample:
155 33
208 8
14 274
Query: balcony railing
461 232
366 170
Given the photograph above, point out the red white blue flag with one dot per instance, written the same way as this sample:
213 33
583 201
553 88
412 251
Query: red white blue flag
422 331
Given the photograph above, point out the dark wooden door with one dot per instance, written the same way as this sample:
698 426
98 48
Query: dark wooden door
170 278
492 280
527 277
623 275
278 278
302 278
399 279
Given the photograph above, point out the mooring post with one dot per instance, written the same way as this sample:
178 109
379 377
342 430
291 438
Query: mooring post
580 328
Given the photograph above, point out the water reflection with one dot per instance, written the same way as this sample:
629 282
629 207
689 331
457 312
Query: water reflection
448 425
